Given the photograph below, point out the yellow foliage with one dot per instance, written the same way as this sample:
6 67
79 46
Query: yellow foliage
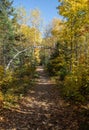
31 34
1 96
37 55
1 72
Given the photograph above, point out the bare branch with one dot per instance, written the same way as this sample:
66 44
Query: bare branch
19 52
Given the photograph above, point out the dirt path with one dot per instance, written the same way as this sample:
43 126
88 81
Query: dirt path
41 109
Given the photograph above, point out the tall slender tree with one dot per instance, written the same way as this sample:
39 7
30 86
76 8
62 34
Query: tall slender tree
6 29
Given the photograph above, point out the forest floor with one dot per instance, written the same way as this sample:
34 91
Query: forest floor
42 108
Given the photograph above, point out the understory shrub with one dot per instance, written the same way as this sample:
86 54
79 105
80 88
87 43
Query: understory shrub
13 84
76 85
7 81
56 67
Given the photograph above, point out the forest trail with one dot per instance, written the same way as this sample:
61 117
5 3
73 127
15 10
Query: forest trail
41 109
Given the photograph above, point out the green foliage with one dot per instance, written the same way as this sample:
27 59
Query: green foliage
6 81
6 30
70 59
75 82
1 72
17 55
57 63
76 85
15 84
26 70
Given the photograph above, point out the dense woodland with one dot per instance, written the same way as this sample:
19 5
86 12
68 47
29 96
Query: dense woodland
17 49
63 49
70 60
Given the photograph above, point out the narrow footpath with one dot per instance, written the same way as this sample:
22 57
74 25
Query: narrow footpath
41 109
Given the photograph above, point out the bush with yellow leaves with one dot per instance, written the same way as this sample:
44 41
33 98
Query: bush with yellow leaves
7 81
76 85
15 83
1 99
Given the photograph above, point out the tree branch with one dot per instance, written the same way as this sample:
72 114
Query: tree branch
8 65
19 52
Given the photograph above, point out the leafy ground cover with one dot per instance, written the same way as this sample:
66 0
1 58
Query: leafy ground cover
43 108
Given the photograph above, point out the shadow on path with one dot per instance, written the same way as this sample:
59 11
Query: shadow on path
41 109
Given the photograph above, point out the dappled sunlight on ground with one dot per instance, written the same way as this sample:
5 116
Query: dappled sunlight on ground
41 109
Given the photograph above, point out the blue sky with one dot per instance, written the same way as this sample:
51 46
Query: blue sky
47 7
